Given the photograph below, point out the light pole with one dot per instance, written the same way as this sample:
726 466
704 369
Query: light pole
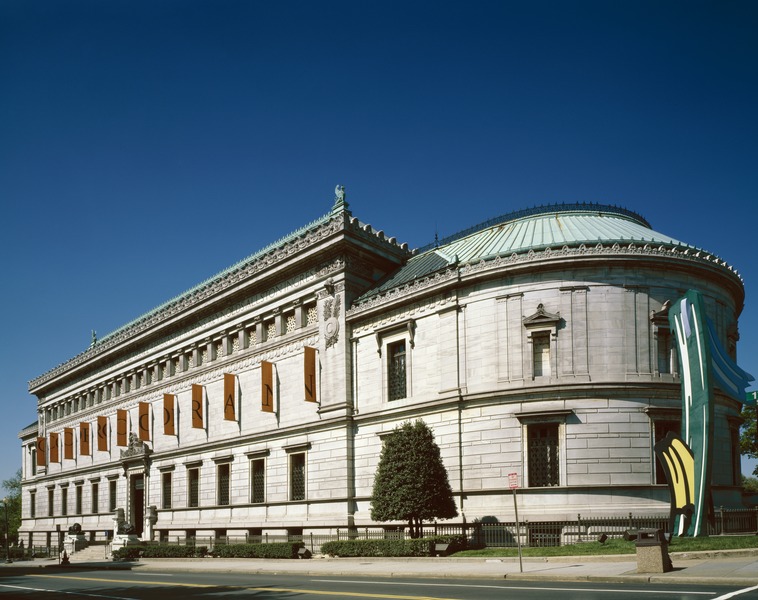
7 533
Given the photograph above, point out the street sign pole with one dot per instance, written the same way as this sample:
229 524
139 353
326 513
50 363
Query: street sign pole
513 482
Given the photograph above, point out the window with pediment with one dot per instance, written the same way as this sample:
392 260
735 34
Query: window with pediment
542 331
394 345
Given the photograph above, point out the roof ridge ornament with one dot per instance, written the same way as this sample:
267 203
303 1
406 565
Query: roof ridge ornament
340 204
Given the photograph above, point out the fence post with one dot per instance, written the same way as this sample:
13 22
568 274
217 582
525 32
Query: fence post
721 519
578 527
631 522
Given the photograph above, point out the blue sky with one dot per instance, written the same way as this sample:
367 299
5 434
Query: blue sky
145 146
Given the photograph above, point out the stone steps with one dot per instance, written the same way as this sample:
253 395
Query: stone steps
94 553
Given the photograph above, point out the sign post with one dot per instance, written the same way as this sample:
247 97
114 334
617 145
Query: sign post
513 484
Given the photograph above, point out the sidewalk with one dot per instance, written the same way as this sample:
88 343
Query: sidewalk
736 568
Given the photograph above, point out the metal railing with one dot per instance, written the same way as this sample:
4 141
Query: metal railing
494 533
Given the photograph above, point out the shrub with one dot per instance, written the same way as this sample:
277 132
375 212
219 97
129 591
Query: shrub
410 547
127 553
276 550
173 551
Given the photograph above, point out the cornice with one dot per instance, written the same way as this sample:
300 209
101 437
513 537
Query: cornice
536 256
184 304
270 256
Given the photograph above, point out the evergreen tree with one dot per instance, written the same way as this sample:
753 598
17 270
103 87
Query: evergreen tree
411 482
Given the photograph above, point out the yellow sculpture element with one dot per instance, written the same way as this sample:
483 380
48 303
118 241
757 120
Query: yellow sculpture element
679 464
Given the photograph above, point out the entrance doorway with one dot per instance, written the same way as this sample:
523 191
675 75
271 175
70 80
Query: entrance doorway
137 503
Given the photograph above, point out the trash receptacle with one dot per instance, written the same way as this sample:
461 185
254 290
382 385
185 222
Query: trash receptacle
652 552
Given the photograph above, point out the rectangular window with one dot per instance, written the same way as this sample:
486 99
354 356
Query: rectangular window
396 375
50 503
166 483
64 502
78 500
541 350
267 386
542 446
112 495
297 476
664 350
258 480
223 472
193 487
32 504
95 497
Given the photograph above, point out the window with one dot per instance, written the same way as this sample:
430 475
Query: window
270 330
395 345
64 502
95 497
166 482
223 472
542 450
193 487
396 375
258 480
50 502
541 354
112 495
34 461
32 504
541 330
78 500
311 316
665 351
289 322
297 476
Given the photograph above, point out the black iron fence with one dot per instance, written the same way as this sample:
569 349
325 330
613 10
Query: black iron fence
494 533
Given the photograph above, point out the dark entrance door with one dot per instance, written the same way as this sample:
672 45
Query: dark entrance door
137 491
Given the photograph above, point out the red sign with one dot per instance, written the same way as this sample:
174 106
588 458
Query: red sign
513 480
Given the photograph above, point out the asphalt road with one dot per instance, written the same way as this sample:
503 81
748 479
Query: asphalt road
130 585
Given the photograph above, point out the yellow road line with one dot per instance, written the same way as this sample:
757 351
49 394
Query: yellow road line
132 581
252 589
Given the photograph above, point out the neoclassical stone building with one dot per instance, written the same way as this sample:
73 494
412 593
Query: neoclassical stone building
536 343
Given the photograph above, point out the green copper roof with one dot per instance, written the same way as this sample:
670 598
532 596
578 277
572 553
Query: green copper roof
551 226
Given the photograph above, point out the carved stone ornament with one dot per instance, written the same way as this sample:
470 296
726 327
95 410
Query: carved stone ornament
331 320
136 447
542 319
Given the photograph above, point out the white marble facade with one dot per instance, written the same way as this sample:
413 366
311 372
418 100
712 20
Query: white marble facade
551 361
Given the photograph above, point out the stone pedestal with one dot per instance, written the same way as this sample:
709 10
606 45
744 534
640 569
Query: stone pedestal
122 540
74 542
